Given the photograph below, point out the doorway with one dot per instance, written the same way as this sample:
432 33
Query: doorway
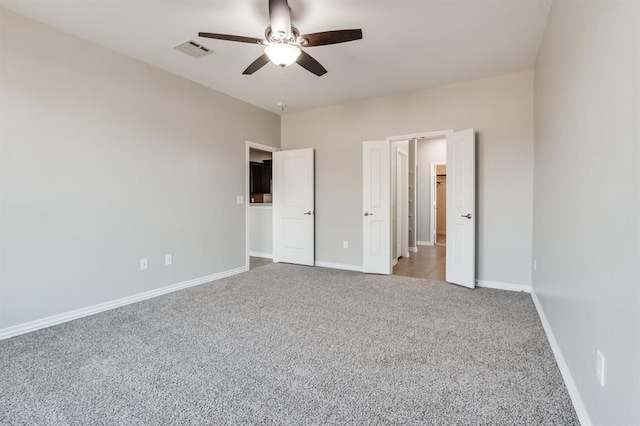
259 204
428 256
439 204
377 204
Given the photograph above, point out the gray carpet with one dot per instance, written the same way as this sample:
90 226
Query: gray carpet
287 344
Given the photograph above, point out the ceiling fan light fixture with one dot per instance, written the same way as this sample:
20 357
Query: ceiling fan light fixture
282 54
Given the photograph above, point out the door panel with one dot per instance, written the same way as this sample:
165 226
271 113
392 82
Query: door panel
376 202
293 194
461 213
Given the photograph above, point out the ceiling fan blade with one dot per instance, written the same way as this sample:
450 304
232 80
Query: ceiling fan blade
307 62
257 64
228 37
331 37
280 17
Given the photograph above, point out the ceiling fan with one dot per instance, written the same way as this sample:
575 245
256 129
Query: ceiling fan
283 41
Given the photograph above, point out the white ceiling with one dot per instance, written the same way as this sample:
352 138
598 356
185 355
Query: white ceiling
406 45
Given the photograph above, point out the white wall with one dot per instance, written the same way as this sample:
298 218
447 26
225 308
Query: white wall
429 151
501 111
106 160
586 192
261 231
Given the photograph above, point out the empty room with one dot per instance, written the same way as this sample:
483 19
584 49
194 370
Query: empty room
337 212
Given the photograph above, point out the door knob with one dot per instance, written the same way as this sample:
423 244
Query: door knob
368 214
309 213
468 215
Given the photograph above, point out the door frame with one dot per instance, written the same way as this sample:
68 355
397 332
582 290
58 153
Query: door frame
400 156
247 196
280 207
422 135
434 187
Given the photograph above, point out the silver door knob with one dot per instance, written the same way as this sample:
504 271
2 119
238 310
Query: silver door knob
368 214
468 215
309 213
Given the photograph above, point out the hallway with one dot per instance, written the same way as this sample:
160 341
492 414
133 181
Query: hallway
429 262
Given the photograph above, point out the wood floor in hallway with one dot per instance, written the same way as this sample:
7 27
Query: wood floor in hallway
429 262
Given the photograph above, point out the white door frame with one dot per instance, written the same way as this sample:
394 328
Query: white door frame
247 197
294 206
376 207
413 193
403 196
423 135
434 187
461 208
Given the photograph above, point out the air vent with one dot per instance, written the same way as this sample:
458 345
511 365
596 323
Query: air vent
193 49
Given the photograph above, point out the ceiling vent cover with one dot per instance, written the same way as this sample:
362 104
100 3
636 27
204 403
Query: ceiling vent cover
193 49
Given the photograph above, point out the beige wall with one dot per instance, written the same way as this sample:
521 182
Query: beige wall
259 155
106 160
429 151
587 198
501 111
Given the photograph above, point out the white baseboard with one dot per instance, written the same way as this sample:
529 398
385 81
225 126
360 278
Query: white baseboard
504 286
357 268
425 243
394 262
259 254
574 394
28 327
413 249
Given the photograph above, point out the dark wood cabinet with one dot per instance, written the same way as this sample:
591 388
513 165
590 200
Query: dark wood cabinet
260 177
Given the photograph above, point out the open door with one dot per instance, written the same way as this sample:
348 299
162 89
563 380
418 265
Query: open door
376 207
293 196
461 208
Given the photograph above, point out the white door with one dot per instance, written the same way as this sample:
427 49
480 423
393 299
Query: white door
404 191
293 203
376 207
396 179
461 212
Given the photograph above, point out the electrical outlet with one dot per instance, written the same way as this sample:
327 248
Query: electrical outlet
345 244
600 367
144 264
168 259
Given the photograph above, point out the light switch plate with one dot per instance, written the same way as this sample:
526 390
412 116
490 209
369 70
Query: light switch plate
240 199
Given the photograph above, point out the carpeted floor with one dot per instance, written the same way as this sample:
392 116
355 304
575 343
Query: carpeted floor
286 344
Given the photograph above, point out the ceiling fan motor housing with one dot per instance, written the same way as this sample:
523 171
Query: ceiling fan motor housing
283 41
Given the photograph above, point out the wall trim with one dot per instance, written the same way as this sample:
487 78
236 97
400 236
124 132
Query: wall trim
260 254
574 394
424 243
357 268
30 326
503 286
413 249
